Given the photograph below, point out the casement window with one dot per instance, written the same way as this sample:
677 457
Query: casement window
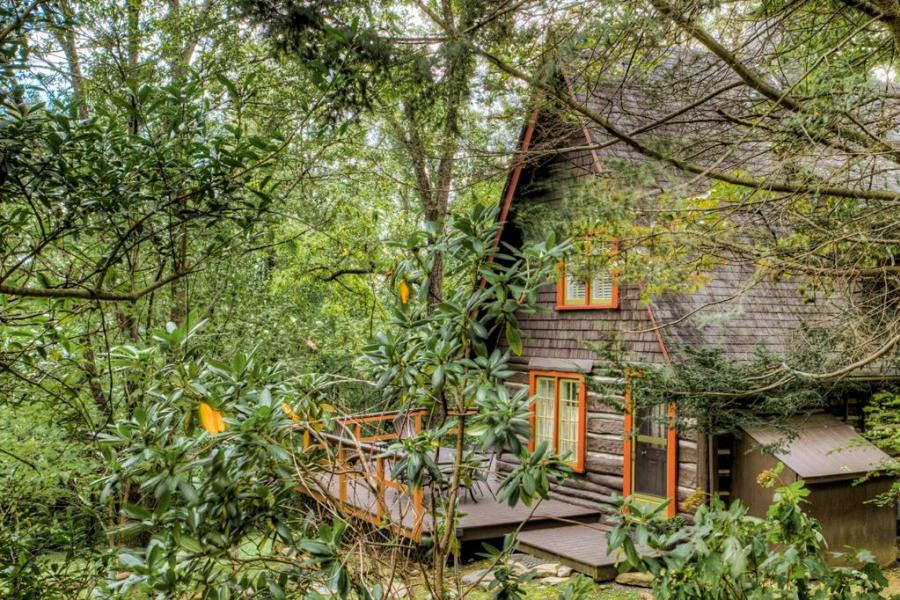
598 291
558 414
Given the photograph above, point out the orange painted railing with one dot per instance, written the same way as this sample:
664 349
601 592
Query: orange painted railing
365 488
358 447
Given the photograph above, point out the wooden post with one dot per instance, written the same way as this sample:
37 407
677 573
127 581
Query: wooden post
342 476
380 488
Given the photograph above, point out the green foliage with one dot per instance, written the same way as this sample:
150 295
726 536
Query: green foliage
505 420
531 478
883 429
46 480
728 554
445 357
508 584
51 524
195 498
433 353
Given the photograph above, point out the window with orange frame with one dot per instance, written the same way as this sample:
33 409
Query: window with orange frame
558 414
597 292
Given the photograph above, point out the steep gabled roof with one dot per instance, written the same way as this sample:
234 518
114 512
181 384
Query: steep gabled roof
734 311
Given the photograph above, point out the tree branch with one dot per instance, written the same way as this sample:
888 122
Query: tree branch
20 18
743 181
779 97
88 294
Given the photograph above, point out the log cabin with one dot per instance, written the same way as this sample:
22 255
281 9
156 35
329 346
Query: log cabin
581 406
582 409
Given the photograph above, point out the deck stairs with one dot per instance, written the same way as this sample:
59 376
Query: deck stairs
580 546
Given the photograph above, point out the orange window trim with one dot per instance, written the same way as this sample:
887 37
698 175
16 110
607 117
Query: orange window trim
671 455
628 446
672 464
578 464
588 305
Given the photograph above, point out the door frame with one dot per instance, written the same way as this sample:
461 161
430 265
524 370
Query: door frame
671 453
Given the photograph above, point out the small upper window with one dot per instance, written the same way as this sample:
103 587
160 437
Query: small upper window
597 291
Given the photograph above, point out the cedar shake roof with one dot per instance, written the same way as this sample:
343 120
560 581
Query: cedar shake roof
739 315
734 311
825 448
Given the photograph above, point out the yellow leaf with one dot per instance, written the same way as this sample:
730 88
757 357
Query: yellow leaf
290 412
220 422
211 419
404 292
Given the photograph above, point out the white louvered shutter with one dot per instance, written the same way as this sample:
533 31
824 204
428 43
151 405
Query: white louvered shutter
575 291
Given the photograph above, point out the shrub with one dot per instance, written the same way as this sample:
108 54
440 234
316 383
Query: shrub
729 555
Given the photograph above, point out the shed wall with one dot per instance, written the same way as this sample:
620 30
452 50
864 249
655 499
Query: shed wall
843 510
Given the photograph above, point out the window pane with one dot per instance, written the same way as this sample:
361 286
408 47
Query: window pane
601 283
575 291
543 415
602 288
569 418
653 423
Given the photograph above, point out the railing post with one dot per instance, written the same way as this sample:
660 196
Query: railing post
342 475
380 488
418 514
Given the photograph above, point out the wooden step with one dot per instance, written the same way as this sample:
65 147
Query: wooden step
582 547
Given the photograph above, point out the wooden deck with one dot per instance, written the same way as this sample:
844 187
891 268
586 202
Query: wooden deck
359 481
578 546
490 518
481 515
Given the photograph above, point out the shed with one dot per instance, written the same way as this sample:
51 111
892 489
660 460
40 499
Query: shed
830 456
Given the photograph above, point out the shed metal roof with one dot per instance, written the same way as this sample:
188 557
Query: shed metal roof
825 448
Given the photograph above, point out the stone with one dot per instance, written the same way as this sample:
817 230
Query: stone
563 571
481 575
554 580
546 570
398 590
636 579
519 568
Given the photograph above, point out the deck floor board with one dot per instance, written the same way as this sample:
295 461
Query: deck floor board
581 547
482 516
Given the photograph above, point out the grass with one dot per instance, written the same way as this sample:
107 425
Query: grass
536 591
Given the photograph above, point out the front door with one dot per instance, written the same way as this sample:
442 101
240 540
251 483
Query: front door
650 446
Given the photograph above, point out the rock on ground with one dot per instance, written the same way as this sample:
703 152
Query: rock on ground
482 575
638 579
546 570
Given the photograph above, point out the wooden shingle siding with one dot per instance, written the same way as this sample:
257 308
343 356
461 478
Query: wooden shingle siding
554 334
565 334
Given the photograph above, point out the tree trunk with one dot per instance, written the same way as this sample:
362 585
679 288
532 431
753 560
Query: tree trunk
66 39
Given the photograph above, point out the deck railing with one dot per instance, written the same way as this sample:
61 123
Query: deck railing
365 487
